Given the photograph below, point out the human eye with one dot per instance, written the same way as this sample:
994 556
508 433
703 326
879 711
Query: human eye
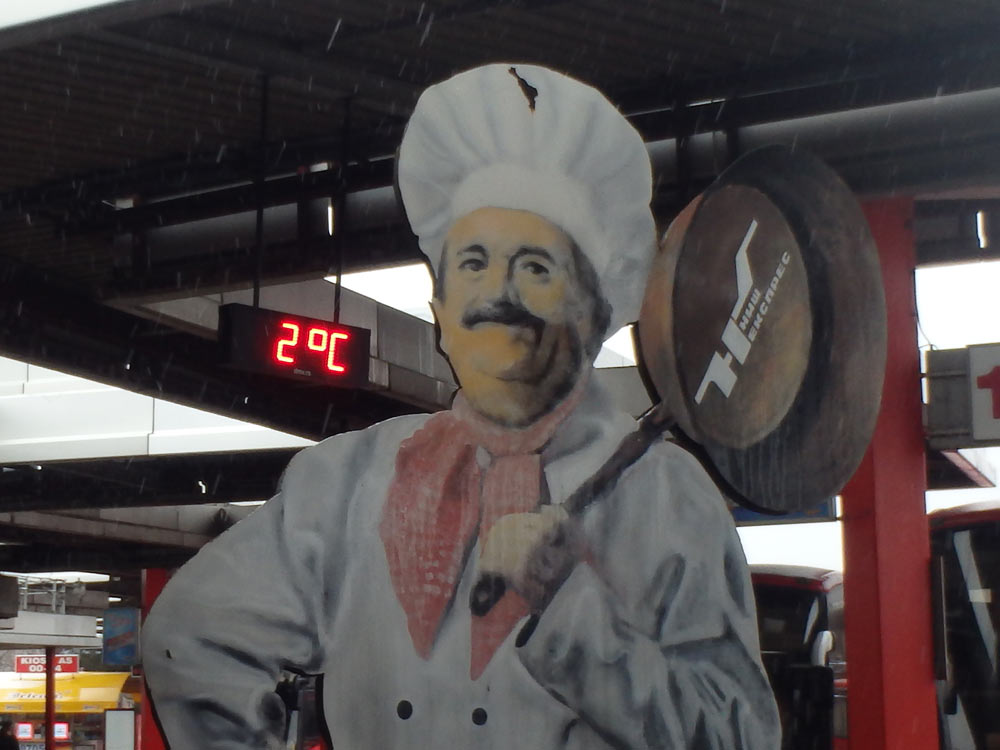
473 264
472 258
535 268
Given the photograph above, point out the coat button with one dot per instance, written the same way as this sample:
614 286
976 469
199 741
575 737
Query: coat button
404 709
479 716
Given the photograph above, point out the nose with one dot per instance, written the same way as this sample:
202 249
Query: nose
500 286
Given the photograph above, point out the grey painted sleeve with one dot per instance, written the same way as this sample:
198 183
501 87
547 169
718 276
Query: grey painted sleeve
243 609
660 650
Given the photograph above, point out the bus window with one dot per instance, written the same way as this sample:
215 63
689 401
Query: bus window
972 621
795 605
787 618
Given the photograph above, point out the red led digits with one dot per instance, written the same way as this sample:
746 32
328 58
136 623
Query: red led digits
296 347
317 340
330 363
323 336
279 353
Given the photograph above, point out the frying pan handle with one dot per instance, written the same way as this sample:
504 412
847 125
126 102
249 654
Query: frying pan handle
490 587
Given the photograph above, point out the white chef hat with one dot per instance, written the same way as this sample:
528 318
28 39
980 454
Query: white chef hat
525 137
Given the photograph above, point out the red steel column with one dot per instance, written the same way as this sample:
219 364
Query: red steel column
891 699
50 697
153 581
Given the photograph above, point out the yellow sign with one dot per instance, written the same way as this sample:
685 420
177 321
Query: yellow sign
80 692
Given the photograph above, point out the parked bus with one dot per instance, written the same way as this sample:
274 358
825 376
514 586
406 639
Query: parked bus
800 616
965 544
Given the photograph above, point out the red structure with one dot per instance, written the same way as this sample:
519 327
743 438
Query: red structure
50 697
153 581
886 548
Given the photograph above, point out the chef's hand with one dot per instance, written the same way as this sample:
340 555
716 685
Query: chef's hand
533 552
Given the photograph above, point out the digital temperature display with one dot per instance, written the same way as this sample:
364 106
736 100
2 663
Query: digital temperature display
292 346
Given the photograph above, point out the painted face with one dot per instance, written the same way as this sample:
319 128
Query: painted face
512 314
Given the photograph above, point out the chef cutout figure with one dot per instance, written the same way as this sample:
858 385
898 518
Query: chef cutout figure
628 625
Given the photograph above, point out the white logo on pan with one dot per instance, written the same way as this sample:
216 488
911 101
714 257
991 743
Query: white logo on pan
744 322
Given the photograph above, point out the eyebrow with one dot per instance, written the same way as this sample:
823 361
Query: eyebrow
532 250
479 249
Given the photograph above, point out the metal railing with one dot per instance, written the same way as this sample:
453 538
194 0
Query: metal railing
44 594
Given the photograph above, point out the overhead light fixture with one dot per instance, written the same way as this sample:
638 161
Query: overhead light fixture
984 240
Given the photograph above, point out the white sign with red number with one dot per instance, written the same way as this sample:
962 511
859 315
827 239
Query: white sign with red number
984 378
35 663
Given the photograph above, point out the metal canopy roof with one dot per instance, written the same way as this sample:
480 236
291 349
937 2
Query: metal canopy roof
105 106
144 113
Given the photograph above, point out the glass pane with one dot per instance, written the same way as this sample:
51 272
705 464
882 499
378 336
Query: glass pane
786 617
973 618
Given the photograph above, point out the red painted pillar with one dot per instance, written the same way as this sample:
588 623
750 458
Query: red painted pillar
891 699
153 581
50 697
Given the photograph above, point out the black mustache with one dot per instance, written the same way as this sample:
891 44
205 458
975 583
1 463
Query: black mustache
504 313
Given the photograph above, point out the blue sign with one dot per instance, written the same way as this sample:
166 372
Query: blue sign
826 511
121 636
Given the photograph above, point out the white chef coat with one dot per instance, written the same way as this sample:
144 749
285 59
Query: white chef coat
650 643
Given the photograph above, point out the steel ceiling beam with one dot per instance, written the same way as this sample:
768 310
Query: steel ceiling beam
948 63
189 528
109 540
82 201
195 479
180 54
288 261
332 71
424 17
42 556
